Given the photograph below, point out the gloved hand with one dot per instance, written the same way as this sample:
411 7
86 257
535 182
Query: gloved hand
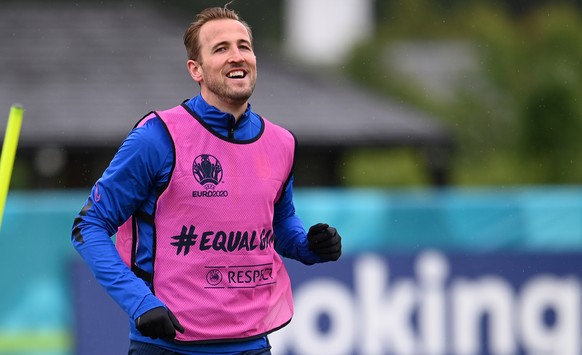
159 322
325 242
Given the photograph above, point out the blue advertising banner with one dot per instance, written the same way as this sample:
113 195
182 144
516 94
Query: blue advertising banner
432 303
428 303
503 276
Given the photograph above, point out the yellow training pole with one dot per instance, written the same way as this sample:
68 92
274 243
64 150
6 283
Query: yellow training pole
9 153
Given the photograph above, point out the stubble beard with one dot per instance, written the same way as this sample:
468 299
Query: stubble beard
229 95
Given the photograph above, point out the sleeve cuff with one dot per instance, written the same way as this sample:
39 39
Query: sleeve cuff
306 256
149 302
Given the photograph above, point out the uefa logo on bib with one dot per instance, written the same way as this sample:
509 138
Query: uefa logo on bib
213 277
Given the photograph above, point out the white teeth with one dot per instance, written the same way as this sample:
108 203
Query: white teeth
236 73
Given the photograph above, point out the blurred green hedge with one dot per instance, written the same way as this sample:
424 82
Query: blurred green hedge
517 119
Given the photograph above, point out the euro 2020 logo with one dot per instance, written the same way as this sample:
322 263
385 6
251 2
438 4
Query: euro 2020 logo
207 171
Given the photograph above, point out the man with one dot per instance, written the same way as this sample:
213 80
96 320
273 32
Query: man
201 199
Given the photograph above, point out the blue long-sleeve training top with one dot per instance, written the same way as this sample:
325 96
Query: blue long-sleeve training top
139 169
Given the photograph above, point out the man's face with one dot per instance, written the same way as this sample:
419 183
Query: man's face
227 67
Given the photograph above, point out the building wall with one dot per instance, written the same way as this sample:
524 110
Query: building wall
323 31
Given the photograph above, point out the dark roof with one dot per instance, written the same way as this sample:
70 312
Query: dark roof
86 73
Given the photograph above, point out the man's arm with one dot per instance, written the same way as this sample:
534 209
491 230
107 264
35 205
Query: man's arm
292 240
124 187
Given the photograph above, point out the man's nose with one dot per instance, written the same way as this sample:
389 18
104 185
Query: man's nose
236 56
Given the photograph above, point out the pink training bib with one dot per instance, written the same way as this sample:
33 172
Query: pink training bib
215 264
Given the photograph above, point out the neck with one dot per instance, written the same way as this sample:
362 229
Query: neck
234 108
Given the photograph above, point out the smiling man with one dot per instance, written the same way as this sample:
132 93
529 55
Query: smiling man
224 64
200 198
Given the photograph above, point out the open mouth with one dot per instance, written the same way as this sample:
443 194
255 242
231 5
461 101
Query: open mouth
236 74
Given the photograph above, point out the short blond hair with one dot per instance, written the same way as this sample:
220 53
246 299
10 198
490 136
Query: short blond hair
192 34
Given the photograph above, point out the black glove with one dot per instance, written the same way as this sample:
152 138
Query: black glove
325 242
159 322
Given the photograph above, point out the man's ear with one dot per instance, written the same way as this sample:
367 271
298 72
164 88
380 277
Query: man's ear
195 70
